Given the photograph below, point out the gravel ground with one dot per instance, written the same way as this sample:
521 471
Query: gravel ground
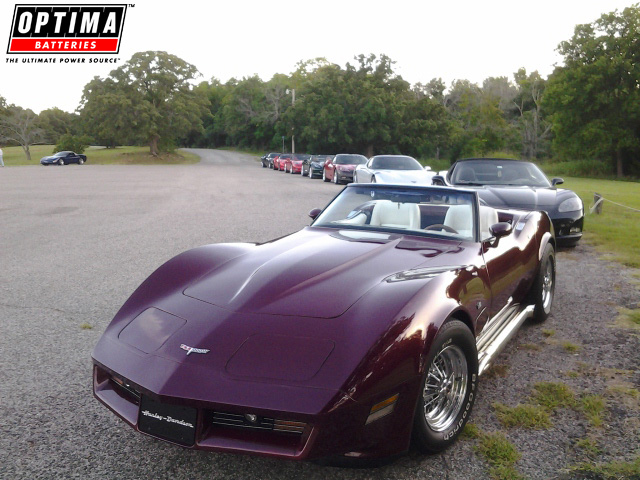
76 240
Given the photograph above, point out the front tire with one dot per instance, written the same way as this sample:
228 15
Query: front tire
335 177
544 286
324 175
448 388
61 162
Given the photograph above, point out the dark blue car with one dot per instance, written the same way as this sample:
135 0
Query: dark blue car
64 158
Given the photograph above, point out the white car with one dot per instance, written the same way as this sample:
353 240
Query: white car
395 169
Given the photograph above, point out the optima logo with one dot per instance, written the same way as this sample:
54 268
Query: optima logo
66 29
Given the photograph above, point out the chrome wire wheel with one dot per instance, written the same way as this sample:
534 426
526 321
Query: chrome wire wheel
445 388
547 286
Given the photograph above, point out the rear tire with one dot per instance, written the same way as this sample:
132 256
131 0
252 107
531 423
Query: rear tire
544 286
324 176
448 388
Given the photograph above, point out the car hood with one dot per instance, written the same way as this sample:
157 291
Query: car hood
522 197
50 157
312 273
404 177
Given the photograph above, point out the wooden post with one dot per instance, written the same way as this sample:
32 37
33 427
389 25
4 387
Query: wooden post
597 203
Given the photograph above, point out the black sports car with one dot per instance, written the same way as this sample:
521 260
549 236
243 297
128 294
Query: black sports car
267 159
508 183
63 158
313 166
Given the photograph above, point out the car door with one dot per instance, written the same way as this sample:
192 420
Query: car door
71 158
329 167
510 263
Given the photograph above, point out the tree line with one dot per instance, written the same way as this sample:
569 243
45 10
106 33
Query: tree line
588 108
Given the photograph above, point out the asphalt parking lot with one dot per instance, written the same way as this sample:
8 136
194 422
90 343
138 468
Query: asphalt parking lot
75 241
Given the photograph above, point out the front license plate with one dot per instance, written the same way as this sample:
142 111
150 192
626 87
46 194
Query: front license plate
170 422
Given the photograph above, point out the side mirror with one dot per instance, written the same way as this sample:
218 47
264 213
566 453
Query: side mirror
438 180
556 181
427 167
314 213
500 230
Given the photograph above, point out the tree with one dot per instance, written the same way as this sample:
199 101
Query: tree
55 123
20 126
149 98
535 129
594 98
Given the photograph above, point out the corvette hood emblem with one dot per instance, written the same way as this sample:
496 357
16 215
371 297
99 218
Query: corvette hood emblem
191 350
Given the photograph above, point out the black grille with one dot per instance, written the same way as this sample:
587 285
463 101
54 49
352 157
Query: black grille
255 422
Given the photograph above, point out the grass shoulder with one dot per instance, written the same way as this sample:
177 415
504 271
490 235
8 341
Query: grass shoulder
126 155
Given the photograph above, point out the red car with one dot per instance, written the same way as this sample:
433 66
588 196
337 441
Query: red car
235 348
294 163
340 169
279 162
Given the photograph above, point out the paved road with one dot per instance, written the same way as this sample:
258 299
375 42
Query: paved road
75 241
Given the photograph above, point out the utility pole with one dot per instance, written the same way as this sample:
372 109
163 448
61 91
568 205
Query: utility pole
293 102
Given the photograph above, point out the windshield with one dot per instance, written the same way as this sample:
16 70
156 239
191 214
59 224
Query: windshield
395 162
300 157
498 172
422 211
61 154
350 159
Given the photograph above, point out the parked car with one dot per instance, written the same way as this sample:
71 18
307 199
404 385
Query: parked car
396 169
372 330
314 165
267 159
280 160
294 163
63 158
340 168
509 183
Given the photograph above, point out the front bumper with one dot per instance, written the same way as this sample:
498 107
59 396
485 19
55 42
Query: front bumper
345 176
313 171
339 431
568 227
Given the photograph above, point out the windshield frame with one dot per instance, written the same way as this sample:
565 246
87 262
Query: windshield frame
417 188
470 163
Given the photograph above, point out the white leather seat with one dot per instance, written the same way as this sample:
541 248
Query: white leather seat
488 217
459 218
396 215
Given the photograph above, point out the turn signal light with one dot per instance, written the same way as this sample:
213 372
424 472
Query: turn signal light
382 409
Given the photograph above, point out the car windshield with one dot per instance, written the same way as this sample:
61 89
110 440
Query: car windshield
350 159
498 172
299 157
419 211
61 154
395 162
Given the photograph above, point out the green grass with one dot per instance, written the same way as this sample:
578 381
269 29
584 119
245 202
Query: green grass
470 431
629 318
552 395
496 371
250 151
593 406
14 156
548 333
86 326
609 471
500 454
570 347
525 416
616 230
588 446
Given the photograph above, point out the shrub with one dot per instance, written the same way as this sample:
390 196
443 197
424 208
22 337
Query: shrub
74 143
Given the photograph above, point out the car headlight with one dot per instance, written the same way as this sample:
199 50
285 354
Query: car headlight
570 205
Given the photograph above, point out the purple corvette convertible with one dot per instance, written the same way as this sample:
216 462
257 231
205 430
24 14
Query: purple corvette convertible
368 332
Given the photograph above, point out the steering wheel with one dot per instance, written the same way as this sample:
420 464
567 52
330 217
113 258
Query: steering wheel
440 226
